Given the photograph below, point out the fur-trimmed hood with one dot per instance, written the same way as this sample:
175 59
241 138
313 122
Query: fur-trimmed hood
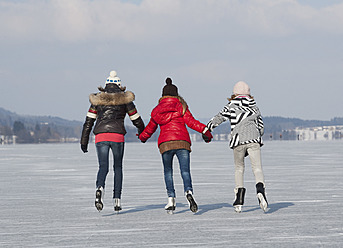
105 98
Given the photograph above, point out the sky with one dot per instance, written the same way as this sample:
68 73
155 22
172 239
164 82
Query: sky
290 52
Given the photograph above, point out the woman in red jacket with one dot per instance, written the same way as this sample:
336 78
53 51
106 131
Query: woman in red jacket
172 115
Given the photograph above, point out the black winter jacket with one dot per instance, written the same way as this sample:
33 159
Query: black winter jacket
109 108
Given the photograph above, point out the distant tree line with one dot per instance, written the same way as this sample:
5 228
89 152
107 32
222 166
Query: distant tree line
276 128
39 133
284 128
37 129
47 129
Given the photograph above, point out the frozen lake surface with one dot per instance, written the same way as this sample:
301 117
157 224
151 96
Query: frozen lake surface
47 194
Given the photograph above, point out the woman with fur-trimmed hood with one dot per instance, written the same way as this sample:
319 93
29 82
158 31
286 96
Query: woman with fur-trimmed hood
172 115
109 108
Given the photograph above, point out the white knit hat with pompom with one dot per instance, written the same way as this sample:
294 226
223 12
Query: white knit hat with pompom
113 79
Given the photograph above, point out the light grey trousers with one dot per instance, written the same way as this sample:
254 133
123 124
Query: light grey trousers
254 152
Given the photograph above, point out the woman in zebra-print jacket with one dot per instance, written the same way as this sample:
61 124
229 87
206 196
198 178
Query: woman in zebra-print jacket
246 139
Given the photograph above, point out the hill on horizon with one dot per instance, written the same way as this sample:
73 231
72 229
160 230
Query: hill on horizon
274 125
37 129
7 118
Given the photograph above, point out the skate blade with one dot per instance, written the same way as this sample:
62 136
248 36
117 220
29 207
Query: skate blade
263 203
170 212
170 208
99 206
117 209
238 208
192 204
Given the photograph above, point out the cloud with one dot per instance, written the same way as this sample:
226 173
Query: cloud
278 46
85 20
211 72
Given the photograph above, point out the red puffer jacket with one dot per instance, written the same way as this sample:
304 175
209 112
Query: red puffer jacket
172 114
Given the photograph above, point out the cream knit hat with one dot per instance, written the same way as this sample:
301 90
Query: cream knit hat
113 78
241 88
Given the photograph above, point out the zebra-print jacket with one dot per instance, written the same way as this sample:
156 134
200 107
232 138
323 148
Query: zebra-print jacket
245 118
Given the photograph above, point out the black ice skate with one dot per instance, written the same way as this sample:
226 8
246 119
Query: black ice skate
99 194
192 204
239 201
117 206
261 196
171 205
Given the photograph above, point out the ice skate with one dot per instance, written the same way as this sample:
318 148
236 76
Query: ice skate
171 205
192 204
117 206
99 195
239 201
261 196
238 208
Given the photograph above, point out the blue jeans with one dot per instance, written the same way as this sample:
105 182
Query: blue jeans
103 149
184 160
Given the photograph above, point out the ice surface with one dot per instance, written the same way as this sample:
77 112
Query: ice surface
47 198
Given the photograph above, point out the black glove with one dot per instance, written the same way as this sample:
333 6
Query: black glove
84 148
207 136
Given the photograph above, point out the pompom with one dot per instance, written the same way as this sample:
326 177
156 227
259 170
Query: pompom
168 81
113 73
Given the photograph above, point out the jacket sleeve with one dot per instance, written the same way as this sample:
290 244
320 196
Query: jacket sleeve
219 118
135 117
260 125
149 130
88 125
192 123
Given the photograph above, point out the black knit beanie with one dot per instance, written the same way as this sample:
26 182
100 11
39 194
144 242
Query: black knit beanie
170 89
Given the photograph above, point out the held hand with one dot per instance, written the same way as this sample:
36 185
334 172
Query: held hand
141 138
207 136
84 148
